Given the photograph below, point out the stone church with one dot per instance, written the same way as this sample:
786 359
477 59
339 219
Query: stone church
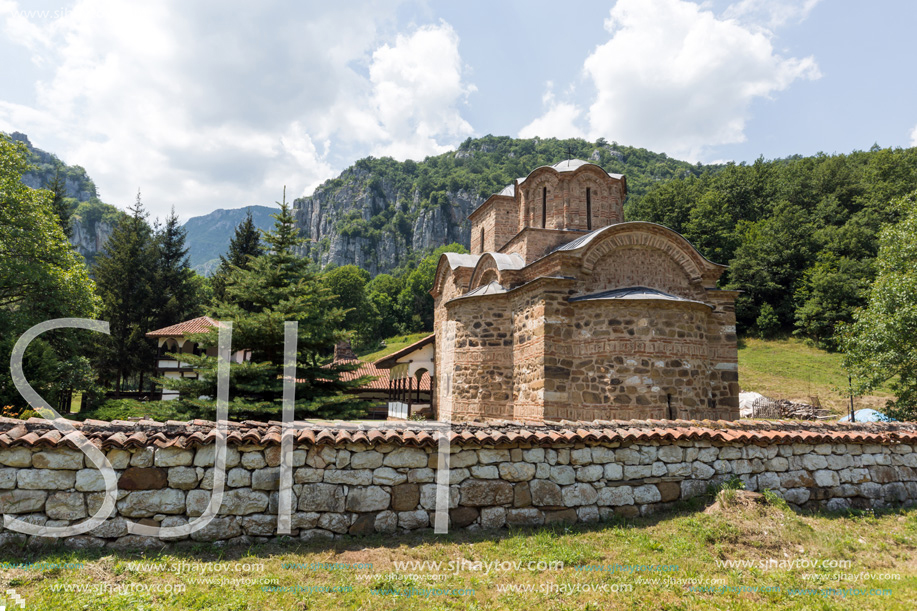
565 311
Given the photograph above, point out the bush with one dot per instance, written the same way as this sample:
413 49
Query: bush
124 409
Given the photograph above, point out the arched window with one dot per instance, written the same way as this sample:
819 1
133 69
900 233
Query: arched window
544 207
588 208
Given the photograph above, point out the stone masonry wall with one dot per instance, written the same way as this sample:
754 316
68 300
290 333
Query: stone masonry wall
349 489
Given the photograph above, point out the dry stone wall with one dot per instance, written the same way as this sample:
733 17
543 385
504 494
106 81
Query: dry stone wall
352 489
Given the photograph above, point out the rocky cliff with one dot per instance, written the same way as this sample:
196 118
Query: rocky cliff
92 221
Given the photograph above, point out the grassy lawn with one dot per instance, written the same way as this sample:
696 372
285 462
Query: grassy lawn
872 557
392 344
791 369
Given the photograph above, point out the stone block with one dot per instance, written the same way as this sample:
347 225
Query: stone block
220 529
365 499
613 472
647 493
826 478
493 518
239 478
671 454
364 525
206 455
669 491
602 455
361 477
370 459
413 458
22 501
533 455
253 460
637 471
183 478
563 475
457 476
266 479
487 457
58 458
465 458
334 522
144 478
142 457
545 493
590 473
528 516
421 476
576 495
588 514
7 479
582 456
259 525
522 496
482 493
307 475
405 497
322 497
517 471
16 457
615 496
386 476
814 462
386 522
428 494
411 520
147 503
316 534
173 457
701 470
485 472
89 480
562 516
462 516
45 479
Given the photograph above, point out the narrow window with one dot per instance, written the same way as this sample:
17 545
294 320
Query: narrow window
588 208
544 207
482 239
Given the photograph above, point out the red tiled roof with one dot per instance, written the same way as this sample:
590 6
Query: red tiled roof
37 432
195 325
382 380
388 361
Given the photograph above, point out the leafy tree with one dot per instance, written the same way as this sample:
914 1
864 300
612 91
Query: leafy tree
881 344
243 246
126 276
41 278
415 297
276 287
382 293
348 285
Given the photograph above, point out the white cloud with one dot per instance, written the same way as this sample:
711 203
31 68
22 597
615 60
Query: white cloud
770 14
675 78
914 136
417 84
216 104
558 121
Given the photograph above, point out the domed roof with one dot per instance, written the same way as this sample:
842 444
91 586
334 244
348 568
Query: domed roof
569 165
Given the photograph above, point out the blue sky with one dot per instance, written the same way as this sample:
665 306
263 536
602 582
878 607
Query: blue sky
220 104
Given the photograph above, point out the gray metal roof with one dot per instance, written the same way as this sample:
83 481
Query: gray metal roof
456 260
492 288
582 240
634 292
507 261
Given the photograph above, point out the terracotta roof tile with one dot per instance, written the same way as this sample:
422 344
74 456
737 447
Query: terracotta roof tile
195 325
39 433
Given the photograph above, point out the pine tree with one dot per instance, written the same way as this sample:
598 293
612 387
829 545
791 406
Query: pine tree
58 189
125 276
175 292
244 245
276 287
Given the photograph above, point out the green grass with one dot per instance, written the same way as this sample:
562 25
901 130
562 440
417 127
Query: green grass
792 369
392 344
880 549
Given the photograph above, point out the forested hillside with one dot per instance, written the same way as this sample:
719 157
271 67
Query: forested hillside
799 234
381 214
91 221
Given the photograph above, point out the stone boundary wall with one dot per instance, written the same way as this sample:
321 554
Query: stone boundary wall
502 475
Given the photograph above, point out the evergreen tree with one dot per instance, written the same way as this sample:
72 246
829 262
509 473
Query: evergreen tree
58 188
175 292
244 245
125 274
275 287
